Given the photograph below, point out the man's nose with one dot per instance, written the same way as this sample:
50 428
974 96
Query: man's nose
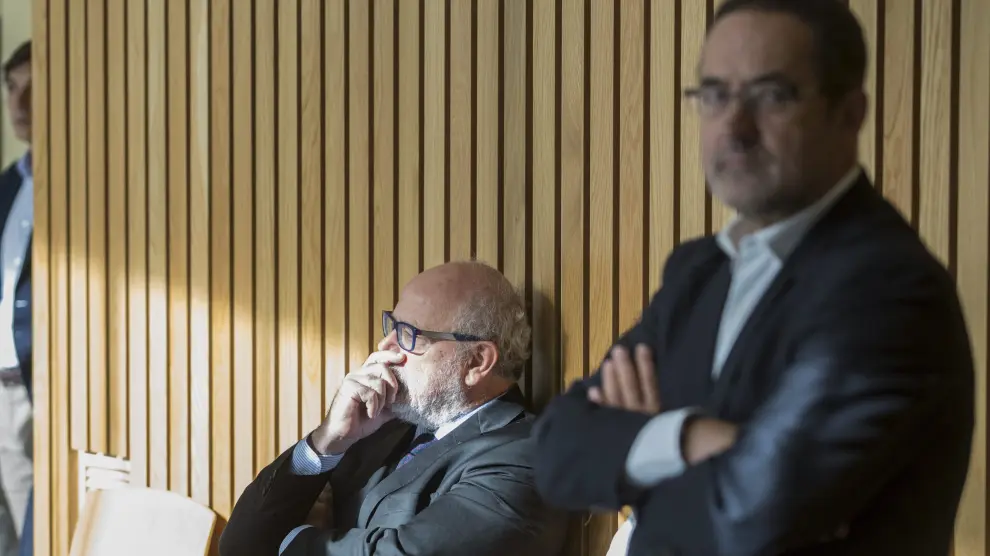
388 342
744 133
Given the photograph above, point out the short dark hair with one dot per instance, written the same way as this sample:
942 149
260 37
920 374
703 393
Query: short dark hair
21 56
840 49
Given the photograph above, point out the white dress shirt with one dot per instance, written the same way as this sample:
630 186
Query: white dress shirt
306 461
756 260
13 251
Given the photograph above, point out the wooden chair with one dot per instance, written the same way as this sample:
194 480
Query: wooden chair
129 521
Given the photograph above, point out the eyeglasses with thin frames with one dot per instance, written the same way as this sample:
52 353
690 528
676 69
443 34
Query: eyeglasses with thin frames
761 98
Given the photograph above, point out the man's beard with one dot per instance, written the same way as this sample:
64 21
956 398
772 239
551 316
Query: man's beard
436 398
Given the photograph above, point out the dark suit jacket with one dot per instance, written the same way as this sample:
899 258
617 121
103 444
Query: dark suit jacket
852 383
10 184
469 493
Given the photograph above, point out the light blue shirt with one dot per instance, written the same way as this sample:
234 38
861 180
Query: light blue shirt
756 260
14 241
306 461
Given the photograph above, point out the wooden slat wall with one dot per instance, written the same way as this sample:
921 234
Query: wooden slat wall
228 192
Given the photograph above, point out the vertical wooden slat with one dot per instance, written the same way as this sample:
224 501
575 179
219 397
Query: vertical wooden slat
200 322
460 158
383 135
898 106
265 236
46 451
972 251
572 187
158 294
62 480
631 125
242 214
311 211
116 228
866 12
600 247
936 100
178 249
137 254
288 223
514 143
692 178
220 255
335 190
546 327
572 210
358 264
77 223
664 105
410 248
434 122
486 132
96 228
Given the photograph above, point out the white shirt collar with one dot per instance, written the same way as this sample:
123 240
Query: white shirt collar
447 428
784 236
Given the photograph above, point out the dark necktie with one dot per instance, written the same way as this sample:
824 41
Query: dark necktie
419 444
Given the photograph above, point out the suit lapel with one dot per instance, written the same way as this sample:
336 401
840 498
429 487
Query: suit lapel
364 464
748 337
501 412
685 372
858 197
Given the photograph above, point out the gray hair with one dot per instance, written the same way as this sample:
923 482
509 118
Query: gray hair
496 311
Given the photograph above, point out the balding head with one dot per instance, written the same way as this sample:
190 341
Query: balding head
473 298
464 332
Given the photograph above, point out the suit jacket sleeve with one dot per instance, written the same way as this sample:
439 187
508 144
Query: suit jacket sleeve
273 504
882 355
494 509
583 447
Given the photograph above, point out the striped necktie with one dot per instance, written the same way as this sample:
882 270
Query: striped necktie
418 445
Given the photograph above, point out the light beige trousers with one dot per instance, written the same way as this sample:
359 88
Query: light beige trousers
16 462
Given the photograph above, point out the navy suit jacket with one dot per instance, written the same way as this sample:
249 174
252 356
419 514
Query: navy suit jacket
10 184
852 383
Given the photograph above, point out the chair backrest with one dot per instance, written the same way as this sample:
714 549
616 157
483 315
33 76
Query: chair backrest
130 521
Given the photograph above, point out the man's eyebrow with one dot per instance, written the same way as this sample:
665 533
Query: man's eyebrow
771 77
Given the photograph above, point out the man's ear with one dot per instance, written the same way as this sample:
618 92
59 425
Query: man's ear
483 358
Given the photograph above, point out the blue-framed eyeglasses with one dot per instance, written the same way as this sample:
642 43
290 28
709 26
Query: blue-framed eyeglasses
407 333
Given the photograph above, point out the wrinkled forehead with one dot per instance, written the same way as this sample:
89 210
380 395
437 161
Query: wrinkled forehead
748 45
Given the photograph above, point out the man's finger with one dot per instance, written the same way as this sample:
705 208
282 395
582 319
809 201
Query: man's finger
595 395
627 378
647 378
374 401
610 388
385 357
375 383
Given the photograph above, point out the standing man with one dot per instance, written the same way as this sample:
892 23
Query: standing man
16 225
803 382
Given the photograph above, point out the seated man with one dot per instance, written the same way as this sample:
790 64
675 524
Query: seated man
426 449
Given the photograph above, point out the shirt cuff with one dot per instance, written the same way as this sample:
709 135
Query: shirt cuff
291 537
305 460
656 452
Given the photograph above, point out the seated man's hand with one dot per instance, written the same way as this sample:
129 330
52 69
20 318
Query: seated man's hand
361 404
628 384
